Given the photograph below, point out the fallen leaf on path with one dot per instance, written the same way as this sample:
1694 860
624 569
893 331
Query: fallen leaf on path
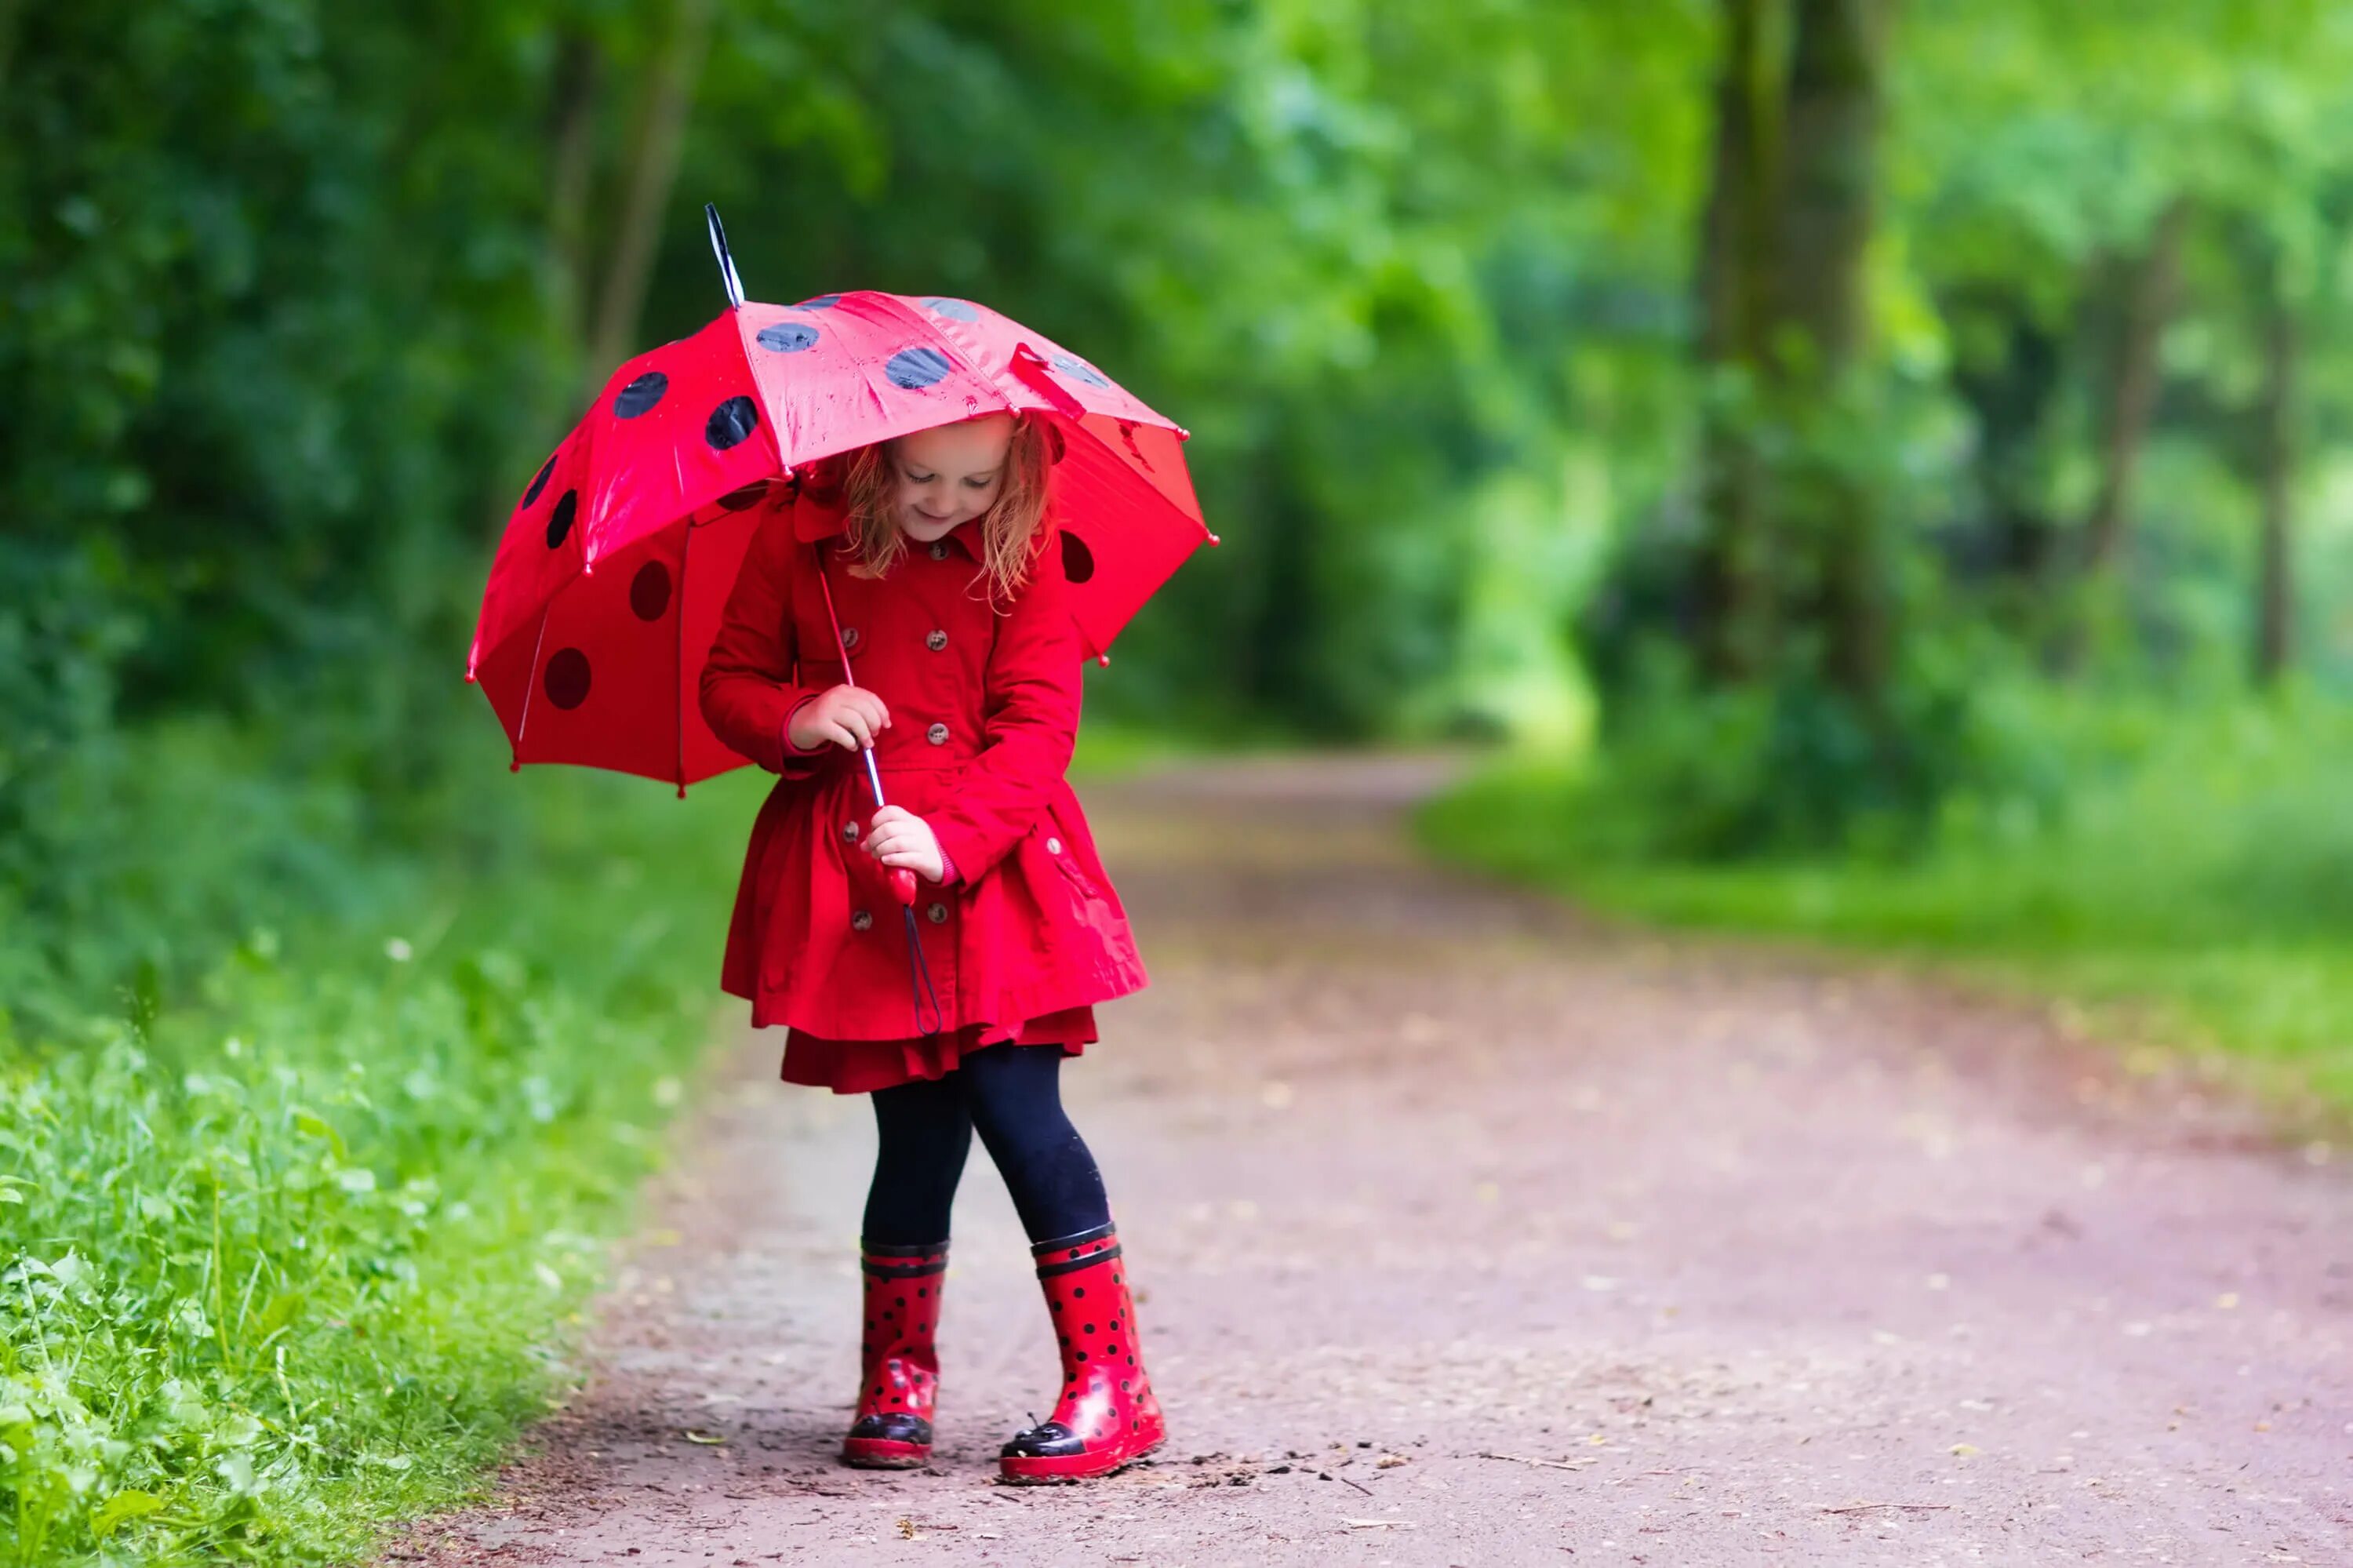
706 1438
1380 1524
1391 1461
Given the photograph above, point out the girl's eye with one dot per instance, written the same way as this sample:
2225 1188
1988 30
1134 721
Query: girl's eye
921 478
978 483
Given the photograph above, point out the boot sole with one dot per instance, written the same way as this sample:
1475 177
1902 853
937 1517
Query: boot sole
876 1453
1051 1472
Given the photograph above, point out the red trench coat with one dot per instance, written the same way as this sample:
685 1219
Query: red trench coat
983 705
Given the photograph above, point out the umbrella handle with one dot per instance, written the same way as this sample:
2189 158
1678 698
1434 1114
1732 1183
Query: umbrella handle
902 881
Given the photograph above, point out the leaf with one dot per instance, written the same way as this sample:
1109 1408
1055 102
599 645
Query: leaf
313 1125
122 1505
707 1439
279 1312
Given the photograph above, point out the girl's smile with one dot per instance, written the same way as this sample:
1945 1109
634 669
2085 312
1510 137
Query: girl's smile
944 477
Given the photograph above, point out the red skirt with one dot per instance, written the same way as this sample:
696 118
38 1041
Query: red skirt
861 1067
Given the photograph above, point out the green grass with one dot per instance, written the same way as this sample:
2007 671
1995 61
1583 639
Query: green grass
2198 891
298 1251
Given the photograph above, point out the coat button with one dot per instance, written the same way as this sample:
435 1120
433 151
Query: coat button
935 640
849 637
860 919
938 734
937 913
1053 846
939 550
849 832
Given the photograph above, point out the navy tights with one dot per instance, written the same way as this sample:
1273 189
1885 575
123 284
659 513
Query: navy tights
1012 1096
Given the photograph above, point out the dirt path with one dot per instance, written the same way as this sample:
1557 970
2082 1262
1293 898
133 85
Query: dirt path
1468 1234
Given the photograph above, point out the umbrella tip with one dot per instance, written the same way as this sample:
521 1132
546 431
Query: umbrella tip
1215 540
734 285
1102 658
516 766
681 791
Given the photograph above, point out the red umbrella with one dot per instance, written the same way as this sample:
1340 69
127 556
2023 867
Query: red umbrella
615 567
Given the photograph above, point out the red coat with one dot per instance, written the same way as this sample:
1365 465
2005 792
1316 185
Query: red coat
983 710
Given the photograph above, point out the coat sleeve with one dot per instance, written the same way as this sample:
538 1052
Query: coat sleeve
748 691
1029 723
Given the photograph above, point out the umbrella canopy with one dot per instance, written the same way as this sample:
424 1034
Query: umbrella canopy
610 579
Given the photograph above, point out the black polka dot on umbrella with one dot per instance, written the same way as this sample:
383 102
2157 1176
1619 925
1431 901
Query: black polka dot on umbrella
954 310
649 591
1078 561
745 498
640 395
1080 369
731 423
822 302
787 338
914 368
540 484
566 680
559 522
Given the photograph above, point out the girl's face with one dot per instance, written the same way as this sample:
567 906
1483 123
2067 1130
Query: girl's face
948 474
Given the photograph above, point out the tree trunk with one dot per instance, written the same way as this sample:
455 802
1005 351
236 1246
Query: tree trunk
572 162
2132 395
2275 591
1734 254
11 13
653 168
1829 174
1734 298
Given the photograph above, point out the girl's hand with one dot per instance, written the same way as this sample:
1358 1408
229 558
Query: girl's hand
897 837
846 717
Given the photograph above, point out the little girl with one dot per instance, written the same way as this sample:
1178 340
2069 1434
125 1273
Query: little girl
925 569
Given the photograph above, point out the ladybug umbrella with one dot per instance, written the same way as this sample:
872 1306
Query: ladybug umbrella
609 581
616 565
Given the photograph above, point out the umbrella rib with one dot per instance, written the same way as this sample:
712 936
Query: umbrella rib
678 688
530 679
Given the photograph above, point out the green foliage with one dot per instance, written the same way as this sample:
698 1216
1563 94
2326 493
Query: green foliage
291 1247
294 297
2202 869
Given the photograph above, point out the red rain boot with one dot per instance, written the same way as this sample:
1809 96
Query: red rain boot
900 1377
1106 1416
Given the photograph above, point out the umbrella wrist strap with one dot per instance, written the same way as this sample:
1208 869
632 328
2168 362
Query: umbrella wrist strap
918 980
